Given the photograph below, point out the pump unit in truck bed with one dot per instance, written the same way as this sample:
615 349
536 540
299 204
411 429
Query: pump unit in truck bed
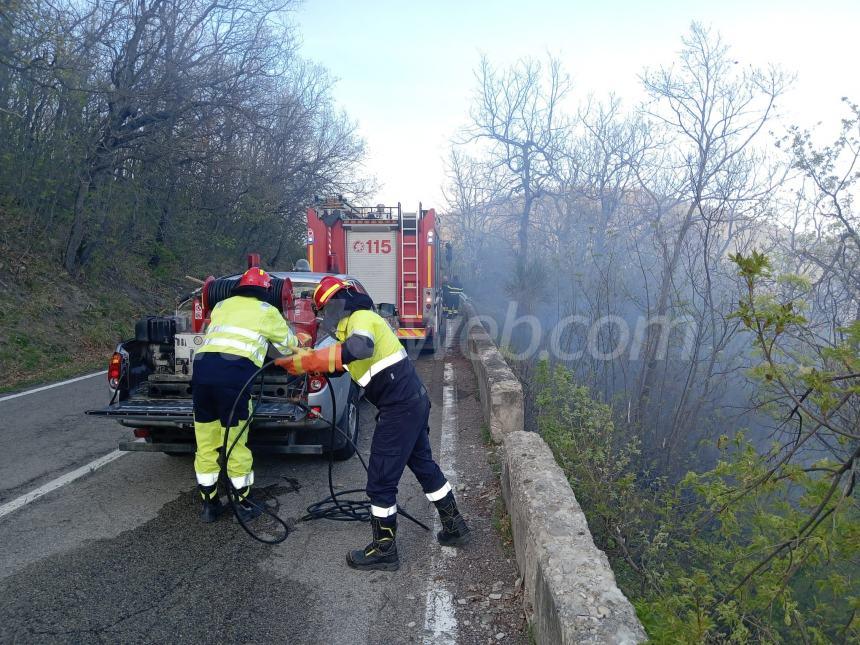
394 253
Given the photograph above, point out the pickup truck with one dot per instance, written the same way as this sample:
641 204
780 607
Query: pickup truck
149 377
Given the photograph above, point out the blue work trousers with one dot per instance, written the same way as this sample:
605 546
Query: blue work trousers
401 438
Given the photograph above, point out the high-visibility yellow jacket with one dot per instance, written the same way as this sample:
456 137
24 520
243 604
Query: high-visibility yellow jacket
387 349
244 326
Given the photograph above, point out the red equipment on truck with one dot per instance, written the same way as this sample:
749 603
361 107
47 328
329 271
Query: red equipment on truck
394 255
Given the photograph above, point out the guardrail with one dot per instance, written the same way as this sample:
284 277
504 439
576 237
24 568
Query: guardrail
570 591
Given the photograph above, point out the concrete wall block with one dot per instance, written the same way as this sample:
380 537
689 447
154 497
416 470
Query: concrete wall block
506 403
570 587
570 590
501 393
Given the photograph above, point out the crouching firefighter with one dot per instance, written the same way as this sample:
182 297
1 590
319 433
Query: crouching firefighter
370 351
235 346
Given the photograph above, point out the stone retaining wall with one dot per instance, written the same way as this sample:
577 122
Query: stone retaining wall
570 590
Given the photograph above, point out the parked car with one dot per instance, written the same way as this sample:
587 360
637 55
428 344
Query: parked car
150 380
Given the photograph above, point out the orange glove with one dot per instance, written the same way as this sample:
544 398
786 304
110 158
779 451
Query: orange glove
325 360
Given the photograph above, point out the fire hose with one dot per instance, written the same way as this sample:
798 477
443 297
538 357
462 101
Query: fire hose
334 507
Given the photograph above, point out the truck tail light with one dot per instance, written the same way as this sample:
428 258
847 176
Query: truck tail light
315 383
141 433
115 370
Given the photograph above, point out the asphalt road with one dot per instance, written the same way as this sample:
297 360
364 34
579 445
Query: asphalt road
46 434
120 556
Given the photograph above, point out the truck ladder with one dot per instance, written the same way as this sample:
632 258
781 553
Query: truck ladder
409 292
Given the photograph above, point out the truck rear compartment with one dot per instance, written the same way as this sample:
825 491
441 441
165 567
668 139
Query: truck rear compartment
160 408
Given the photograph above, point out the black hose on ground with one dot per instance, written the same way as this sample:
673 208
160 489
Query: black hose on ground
333 507
232 493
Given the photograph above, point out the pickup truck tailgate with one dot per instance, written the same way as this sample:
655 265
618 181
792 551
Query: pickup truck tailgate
180 410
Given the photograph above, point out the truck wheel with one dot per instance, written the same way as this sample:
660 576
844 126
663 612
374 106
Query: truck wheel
427 345
439 335
349 423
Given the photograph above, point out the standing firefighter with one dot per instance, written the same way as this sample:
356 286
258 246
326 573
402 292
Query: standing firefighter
455 288
446 296
235 346
373 356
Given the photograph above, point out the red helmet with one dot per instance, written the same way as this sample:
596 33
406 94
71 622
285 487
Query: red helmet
255 277
327 287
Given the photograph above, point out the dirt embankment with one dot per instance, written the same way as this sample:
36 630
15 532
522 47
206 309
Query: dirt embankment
53 325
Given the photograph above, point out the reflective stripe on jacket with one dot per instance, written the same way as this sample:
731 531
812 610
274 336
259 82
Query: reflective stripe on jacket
387 349
244 326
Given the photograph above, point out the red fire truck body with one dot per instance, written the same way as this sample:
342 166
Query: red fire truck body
393 253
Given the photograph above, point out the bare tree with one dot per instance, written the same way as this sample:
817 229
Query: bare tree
472 199
826 234
517 117
711 112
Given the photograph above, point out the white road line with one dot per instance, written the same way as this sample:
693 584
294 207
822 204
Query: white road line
440 620
449 337
53 385
53 485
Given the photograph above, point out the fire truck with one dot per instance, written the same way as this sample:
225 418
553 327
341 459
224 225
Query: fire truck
392 252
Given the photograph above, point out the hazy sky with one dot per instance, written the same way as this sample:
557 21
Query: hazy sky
406 69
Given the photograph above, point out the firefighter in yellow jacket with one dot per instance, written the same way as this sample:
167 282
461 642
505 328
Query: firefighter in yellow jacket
370 351
237 340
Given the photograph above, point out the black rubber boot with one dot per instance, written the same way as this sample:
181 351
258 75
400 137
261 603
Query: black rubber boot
211 503
381 554
454 530
247 508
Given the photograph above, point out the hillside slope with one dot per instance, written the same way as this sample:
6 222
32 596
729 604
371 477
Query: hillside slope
53 325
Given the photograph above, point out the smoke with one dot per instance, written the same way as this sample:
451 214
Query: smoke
608 249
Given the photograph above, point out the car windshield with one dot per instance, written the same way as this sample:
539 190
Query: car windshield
304 289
